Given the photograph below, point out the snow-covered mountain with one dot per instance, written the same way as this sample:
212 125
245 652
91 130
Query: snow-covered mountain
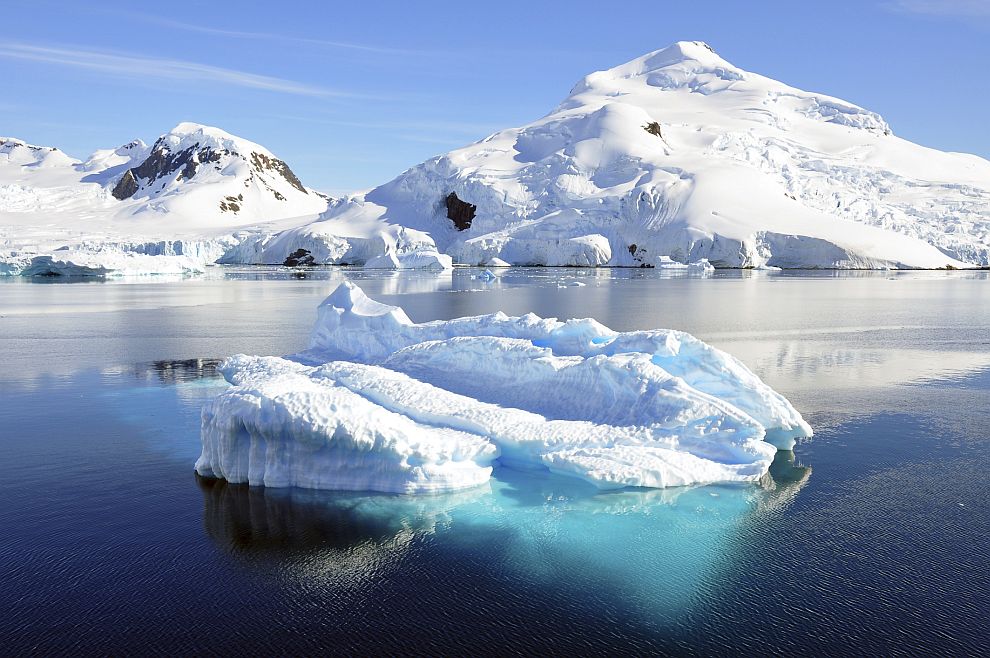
186 192
679 153
195 169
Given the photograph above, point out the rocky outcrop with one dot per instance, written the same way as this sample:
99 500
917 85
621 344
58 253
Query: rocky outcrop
260 161
653 128
126 187
163 162
232 203
183 164
299 258
460 212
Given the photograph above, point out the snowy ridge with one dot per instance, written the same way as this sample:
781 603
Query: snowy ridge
197 191
384 404
680 154
195 155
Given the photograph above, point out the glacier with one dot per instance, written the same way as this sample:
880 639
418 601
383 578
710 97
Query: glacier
377 402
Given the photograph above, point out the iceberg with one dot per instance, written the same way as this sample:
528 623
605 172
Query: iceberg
380 403
105 263
429 260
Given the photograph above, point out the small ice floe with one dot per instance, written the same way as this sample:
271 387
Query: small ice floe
487 276
667 264
572 284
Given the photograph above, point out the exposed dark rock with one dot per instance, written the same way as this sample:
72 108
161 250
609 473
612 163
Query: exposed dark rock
638 254
126 186
261 161
232 203
299 258
653 128
163 162
460 212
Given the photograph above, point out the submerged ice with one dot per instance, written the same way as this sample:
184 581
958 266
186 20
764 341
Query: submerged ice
380 403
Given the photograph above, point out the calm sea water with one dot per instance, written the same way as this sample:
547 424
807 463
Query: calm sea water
872 538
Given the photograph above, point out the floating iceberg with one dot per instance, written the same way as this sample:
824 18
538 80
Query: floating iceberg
381 403
429 260
702 266
106 263
572 284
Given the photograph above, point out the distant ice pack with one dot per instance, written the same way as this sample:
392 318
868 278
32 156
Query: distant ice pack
380 403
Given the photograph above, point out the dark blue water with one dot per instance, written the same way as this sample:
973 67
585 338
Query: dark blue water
871 538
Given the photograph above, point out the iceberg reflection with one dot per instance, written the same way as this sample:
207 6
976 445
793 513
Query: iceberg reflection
654 547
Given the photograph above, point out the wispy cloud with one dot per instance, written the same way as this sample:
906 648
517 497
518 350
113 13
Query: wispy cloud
455 127
267 36
139 67
966 8
449 134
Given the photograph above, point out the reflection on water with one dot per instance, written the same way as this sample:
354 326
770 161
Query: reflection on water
887 542
177 371
654 544
821 323
246 520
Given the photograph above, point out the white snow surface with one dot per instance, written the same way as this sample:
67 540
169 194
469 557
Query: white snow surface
677 156
198 191
429 260
380 403
736 168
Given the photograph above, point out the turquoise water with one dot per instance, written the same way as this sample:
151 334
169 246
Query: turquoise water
870 538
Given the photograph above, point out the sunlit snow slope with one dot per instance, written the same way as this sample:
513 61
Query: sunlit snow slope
679 153
675 155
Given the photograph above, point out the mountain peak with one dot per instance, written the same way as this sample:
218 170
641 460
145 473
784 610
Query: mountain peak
189 134
131 147
18 152
680 52
692 64
191 127
193 152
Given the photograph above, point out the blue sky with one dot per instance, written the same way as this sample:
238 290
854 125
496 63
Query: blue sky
350 94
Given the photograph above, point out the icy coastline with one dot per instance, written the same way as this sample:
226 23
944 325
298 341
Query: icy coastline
677 157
